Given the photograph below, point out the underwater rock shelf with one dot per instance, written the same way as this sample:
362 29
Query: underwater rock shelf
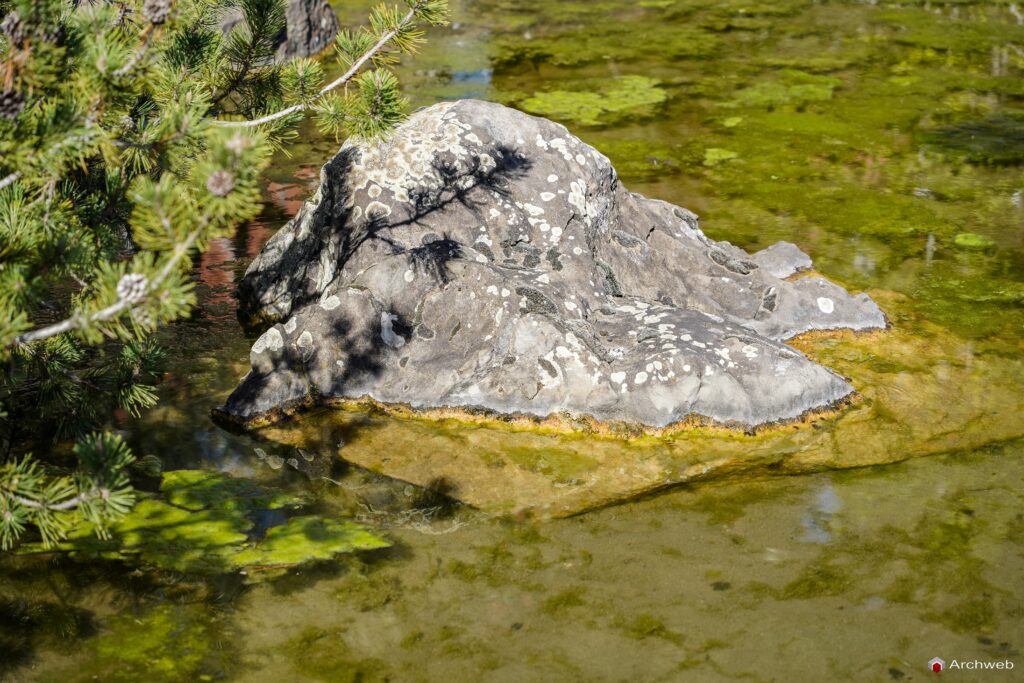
904 376
485 258
486 262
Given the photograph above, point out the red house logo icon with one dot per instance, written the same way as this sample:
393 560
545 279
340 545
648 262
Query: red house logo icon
936 665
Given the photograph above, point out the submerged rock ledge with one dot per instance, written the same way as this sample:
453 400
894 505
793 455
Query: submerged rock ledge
485 259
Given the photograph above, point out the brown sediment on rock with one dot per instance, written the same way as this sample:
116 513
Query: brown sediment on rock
274 416
555 423
562 423
807 340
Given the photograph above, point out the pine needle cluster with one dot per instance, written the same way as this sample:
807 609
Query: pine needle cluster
132 133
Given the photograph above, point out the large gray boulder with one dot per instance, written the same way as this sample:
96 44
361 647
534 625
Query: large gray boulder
484 258
310 27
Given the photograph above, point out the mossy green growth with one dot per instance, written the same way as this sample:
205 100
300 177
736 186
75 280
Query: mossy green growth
957 592
771 8
714 156
942 32
603 42
816 63
648 626
307 538
167 643
201 524
197 490
561 601
323 655
974 241
792 87
625 97
818 579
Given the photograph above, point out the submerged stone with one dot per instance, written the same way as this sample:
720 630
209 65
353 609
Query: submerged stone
482 258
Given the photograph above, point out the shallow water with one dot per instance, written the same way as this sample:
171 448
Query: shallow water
881 138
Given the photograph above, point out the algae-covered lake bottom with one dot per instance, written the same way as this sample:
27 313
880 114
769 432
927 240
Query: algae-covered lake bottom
858 575
882 138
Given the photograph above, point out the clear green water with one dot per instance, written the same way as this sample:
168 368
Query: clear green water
883 138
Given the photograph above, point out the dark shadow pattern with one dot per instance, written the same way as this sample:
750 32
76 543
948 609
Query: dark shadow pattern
336 232
457 187
288 384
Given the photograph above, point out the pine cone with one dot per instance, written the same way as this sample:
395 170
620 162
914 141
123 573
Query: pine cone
14 28
11 103
156 11
220 183
132 288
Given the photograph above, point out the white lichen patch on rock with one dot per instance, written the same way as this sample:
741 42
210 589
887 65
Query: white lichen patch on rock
330 303
271 340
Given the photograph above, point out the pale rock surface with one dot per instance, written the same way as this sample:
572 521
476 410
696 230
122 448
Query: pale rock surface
485 258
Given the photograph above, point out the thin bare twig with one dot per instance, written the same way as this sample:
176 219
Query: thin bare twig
7 180
55 507
139 54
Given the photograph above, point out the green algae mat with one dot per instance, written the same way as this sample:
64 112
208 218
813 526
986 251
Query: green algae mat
203 523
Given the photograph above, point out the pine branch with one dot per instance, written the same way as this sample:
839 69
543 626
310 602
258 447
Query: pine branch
341 80
233 85
109 146
264 19
62 506
52 153
138 54
239 76
78 322
7 180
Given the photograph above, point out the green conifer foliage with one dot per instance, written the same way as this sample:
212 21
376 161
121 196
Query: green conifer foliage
133 132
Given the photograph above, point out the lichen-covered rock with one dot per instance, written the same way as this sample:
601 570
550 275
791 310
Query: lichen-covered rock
484 258
310 26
